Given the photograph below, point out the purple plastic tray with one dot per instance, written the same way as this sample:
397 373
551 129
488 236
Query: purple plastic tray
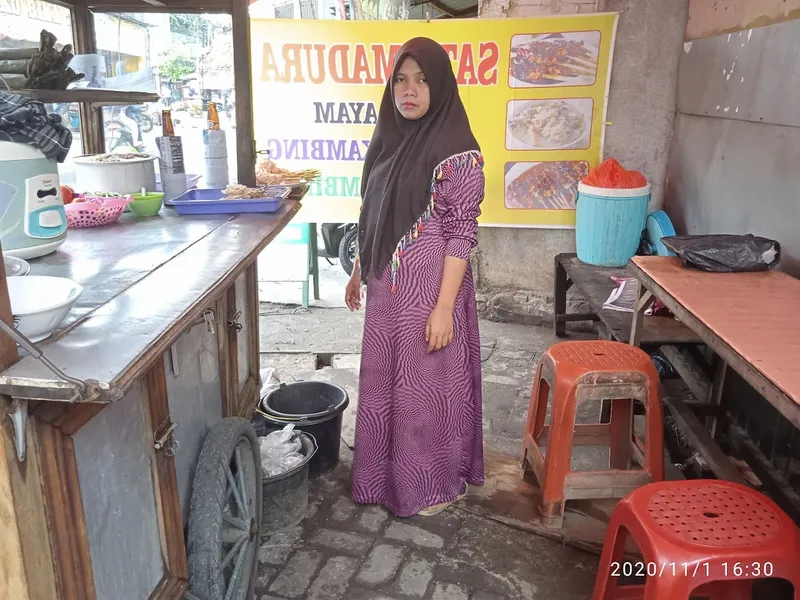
212 202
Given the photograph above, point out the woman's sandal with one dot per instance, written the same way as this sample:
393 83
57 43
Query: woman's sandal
438 508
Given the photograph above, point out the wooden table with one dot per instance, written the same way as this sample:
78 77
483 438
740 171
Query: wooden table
167 328
749 320
596 285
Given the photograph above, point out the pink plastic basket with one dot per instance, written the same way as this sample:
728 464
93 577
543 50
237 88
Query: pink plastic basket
95 211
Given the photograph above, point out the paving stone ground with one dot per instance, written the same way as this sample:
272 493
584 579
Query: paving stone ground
346 552
343 551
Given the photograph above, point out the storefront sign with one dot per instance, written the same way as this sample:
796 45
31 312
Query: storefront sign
23 20
535 90
33 9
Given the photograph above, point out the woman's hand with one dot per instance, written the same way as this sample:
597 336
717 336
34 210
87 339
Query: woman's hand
439 330
352 293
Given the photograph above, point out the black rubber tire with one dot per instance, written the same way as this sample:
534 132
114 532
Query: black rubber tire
346 254
146 124
205 512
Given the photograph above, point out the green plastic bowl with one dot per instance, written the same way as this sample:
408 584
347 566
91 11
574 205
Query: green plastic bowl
147 205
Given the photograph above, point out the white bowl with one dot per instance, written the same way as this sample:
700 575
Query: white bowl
16 267
40 303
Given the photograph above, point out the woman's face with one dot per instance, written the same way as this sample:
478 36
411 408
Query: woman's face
412 96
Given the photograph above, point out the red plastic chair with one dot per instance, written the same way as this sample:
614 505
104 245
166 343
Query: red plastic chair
702 538
573 372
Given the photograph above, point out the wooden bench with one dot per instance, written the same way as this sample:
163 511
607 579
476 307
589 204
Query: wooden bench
595 284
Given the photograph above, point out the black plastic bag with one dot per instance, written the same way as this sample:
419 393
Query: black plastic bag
725 253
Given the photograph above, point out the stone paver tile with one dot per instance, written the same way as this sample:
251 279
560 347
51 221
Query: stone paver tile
344 542
471 576
486 596
313 508
449 591
373 518
489 556
275 550
333 579
445 524
381 565
412 534
355 593
268 597
296 576
265 575
415 577
343 509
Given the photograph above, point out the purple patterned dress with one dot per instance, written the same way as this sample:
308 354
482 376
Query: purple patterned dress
419 428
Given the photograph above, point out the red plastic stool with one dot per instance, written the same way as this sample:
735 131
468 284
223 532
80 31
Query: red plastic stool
698 538
574 372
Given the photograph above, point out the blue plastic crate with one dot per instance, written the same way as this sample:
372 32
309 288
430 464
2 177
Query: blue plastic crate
213 202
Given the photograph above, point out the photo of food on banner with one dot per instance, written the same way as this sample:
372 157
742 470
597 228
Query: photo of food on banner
543 133
558 124
543 185
555 59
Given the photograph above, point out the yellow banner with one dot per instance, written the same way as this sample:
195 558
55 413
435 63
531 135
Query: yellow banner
535 91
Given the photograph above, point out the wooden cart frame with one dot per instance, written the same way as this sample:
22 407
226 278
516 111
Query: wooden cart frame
158 381
45 546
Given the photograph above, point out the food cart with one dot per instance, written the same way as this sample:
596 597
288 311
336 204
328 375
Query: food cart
127 470
99 468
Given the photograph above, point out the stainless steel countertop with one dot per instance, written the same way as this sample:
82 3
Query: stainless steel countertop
142 278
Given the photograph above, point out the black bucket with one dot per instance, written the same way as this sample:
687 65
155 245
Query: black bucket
316 407
285 496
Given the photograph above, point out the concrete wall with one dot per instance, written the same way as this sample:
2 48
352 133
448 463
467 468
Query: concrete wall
641 110
733 165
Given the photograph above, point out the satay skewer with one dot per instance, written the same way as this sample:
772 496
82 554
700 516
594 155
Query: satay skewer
586 63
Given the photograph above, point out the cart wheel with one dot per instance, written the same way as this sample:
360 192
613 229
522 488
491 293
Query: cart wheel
225 513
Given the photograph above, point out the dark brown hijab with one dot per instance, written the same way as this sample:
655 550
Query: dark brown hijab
402 155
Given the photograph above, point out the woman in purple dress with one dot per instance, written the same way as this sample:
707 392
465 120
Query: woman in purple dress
419 428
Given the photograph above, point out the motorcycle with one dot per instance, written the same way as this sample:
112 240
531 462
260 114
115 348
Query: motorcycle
70 116
138 114
119 134
340 241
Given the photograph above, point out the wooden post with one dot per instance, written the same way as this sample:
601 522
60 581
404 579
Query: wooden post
644 299
92 136
24 544
242 78
8 347
12 576
559 298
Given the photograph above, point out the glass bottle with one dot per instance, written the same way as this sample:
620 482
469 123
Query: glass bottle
213 117
166 124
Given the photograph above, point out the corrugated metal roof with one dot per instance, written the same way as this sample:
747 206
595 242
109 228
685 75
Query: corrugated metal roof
444 9
420 12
